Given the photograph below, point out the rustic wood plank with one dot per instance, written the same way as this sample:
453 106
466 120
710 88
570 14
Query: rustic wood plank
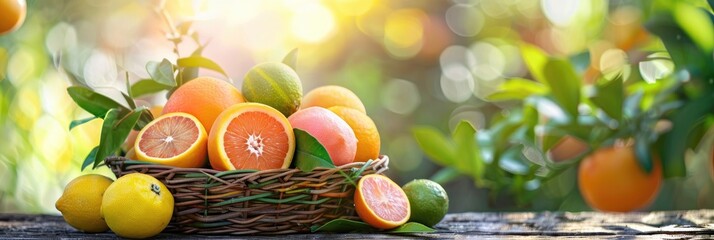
674 224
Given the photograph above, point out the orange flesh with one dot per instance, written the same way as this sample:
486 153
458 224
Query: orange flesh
169 137
384 200
254 138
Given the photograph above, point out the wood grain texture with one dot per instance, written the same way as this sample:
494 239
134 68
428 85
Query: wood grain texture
674 224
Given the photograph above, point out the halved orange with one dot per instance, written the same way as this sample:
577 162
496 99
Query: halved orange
381 203
176 139
251 136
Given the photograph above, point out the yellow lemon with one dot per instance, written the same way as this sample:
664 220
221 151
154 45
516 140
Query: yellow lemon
137 206
81 201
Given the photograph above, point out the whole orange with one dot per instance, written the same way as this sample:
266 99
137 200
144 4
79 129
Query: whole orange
204 98
12 14
330 96
368 141
612 180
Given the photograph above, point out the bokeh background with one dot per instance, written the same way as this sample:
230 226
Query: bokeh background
412 62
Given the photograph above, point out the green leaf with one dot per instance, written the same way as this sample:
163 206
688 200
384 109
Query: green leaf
644 157
162 72
309 153
202 62
535 59
469 159
291 59
445 175
609 97
697 24
517 89
564 84
711 4
115 129
128 88
512 161
147 86
93 102
89 160
78 122
344 225
683 122
435 145
129 100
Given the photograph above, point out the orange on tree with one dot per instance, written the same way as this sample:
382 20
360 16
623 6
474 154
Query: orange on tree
612 180
380 202
368 141
204 98
251 136
12 14
175 139
330 96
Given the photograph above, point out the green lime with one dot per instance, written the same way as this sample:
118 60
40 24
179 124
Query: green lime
428 200
274 84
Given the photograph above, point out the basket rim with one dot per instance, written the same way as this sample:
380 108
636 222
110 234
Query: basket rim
122 160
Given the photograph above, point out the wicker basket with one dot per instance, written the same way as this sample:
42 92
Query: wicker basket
279 201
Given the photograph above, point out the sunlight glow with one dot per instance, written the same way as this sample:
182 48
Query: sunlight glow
313 23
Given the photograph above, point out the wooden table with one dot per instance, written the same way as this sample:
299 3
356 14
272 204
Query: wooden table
675 224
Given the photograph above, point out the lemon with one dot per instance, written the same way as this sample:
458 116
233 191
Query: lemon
81 201
428 200
137 206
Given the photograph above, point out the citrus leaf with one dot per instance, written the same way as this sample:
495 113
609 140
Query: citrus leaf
469 159
644 158
309 153
115 129
78 122
609 96
535 59
697 24
435 145
564 84
162 72
91 101
683 122
129 100
445 175
128 89
89 160
343 225
411 227
147 86
291 59
202 62
517 89
512 161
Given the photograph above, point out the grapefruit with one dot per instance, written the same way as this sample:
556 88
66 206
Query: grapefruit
380 202
330 96
204 98
175 139
330 130
274 84
251 136
612 180
368 141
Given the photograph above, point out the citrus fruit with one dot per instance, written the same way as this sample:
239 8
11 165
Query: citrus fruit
567 148
428 200
274 84
612 180
137 206
251 136
81 201
330 96
380 202
175 139
368 141
131 139
330 130
204 98
12 14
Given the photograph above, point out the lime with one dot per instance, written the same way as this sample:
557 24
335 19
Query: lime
428 200
274 84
